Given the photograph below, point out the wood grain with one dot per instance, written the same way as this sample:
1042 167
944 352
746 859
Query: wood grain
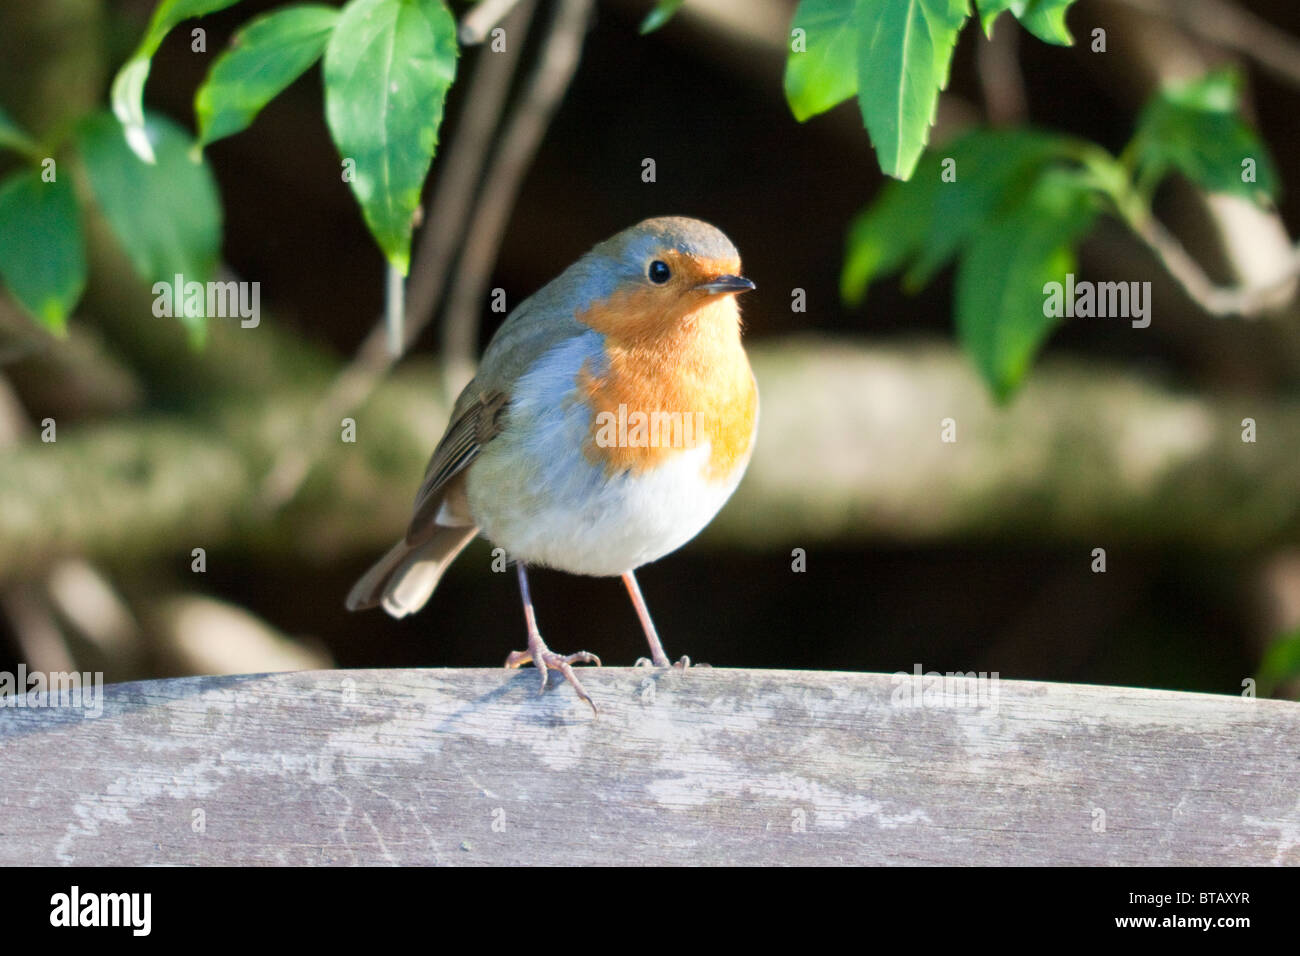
468 767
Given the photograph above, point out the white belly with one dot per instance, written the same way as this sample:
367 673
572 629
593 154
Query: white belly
533 492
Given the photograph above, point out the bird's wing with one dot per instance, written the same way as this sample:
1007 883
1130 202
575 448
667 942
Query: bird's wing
533 328
476 421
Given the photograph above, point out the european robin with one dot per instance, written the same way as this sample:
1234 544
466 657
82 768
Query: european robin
613 414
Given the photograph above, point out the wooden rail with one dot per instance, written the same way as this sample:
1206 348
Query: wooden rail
709 766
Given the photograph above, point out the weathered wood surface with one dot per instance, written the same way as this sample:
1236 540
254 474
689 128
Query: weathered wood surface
711 766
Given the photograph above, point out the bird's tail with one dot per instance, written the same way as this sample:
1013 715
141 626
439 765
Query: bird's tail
404 579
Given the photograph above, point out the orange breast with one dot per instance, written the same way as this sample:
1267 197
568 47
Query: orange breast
672 382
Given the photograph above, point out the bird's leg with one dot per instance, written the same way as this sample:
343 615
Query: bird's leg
541 656
657 655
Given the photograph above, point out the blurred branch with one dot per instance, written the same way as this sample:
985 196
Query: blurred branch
71 378
445 217
1246 245
13 420
561 50
1278 595
452 201
997 60
200 635
85 598
40 641
395 310
1247 301
98 621
1227 25
478 23
1261 257
849 450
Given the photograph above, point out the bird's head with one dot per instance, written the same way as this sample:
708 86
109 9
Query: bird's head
665 276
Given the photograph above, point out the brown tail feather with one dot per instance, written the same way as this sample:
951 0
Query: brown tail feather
404 579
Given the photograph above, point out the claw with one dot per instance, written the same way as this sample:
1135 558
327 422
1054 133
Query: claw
685 664
546 660
541 656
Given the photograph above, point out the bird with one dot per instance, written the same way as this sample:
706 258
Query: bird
612 415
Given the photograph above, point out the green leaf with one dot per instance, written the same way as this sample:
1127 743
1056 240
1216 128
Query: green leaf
991 170
990 10
904 51
886 234
1197 130
661 14
895 55
928 219
13 137
167 215
42 255
1001 303
127 95
388 66
824 72
265 56
1043 18
1281 662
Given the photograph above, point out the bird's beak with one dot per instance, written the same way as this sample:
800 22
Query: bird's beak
719 285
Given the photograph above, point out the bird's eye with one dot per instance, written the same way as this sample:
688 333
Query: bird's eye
659 272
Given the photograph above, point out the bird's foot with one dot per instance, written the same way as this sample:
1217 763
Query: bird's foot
682 665
545 660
